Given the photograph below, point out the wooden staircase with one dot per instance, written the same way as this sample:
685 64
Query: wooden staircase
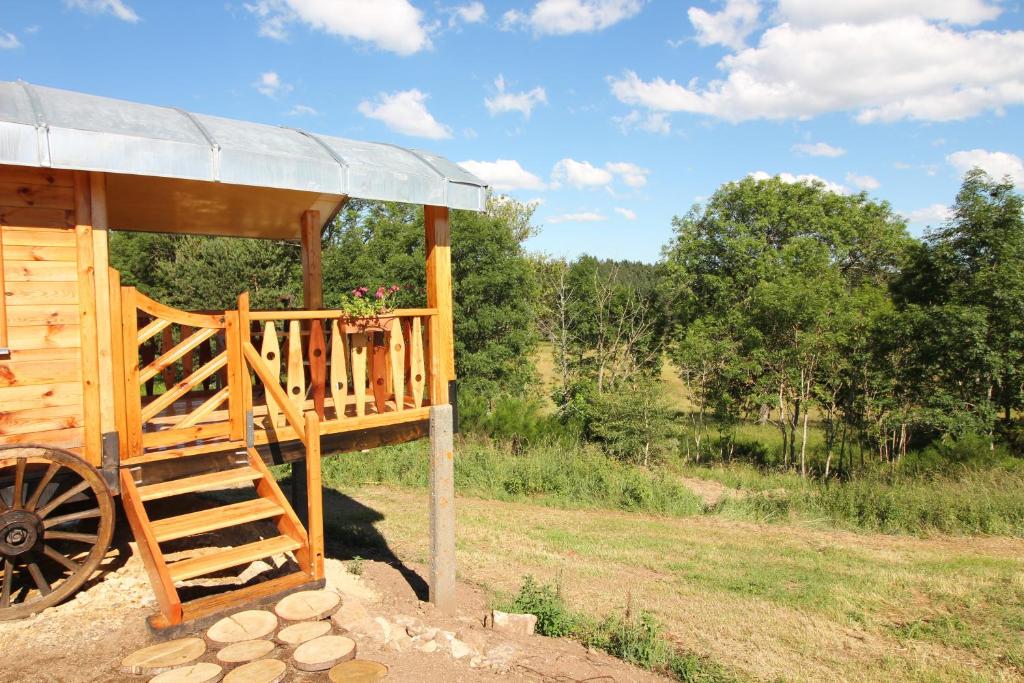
246 471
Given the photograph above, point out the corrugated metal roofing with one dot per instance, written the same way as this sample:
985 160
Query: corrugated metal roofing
53 128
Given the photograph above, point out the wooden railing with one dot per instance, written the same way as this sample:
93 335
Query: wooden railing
353 376
196 382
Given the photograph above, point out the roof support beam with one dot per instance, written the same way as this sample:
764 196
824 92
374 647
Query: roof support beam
439 296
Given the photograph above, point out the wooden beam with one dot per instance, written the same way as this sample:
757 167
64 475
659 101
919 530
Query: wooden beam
4 345
439 296
88 326
104 336
312 277
314 493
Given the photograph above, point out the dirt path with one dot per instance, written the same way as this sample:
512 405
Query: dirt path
84 640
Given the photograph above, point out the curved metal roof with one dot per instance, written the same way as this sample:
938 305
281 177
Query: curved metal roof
53 128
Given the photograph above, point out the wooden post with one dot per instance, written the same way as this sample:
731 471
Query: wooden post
442 509
439 296
91 407
312 299
314 506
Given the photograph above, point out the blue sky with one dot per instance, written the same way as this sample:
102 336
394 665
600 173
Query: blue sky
614 115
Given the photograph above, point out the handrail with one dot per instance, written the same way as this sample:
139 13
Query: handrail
159 310
334 314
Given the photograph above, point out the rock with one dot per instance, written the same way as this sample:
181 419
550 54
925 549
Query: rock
460 649
524 624
308 605
428 633
476 662
427 646
500 656
351 613
386 630
474 637
399 641
163 656
413 625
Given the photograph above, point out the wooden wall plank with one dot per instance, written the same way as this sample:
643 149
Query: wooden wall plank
43 355
40 419
41 196
41 293
44 337
38 271
17 234
58 438
36 176
40 218
41 396
24 252
27 373
57 314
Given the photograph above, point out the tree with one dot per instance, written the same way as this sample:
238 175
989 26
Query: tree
766 273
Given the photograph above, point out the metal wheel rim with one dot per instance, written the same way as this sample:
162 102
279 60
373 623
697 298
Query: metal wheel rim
56 524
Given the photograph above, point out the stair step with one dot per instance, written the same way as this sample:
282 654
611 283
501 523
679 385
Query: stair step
231 557
172 453
202 521
201 482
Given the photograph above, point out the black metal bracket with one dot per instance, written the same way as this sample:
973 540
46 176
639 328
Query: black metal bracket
110 461
453 399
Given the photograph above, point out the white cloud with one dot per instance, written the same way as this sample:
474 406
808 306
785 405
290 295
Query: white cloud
819 13
504 174
562 17
302 110
581 217
392 25
405 112
628 214
862 182
729 27
522 102
631 174
470 13
936 213
996 164
900 68
808 178
818 149
651 122
579 174
9 41
271 85
115 7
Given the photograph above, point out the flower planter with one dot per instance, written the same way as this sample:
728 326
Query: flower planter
366 325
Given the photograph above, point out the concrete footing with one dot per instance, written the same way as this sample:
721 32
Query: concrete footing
442 509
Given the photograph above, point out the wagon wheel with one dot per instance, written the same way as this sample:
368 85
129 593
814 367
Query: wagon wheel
56 522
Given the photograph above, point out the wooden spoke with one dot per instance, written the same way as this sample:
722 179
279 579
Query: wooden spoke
41 486
71 536
41 583
5 593
63 498
71 517
18 495
57 557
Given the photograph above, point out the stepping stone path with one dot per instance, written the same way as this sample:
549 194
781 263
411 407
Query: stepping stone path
323 653
308 605
245 651
249 625
297 634
358 671
203 672
164 656
261 671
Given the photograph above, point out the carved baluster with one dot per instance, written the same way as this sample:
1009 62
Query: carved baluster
359 354
339 370
270 350
417 370
317 354
396 354
379 370
296 371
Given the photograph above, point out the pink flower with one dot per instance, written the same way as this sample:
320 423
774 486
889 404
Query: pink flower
381 292
394 288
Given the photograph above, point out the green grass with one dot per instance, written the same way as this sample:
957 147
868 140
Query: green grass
555 475
637 639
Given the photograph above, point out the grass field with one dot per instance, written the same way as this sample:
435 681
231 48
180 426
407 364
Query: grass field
767 602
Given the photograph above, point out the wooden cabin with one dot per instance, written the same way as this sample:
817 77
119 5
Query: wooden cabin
106 393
